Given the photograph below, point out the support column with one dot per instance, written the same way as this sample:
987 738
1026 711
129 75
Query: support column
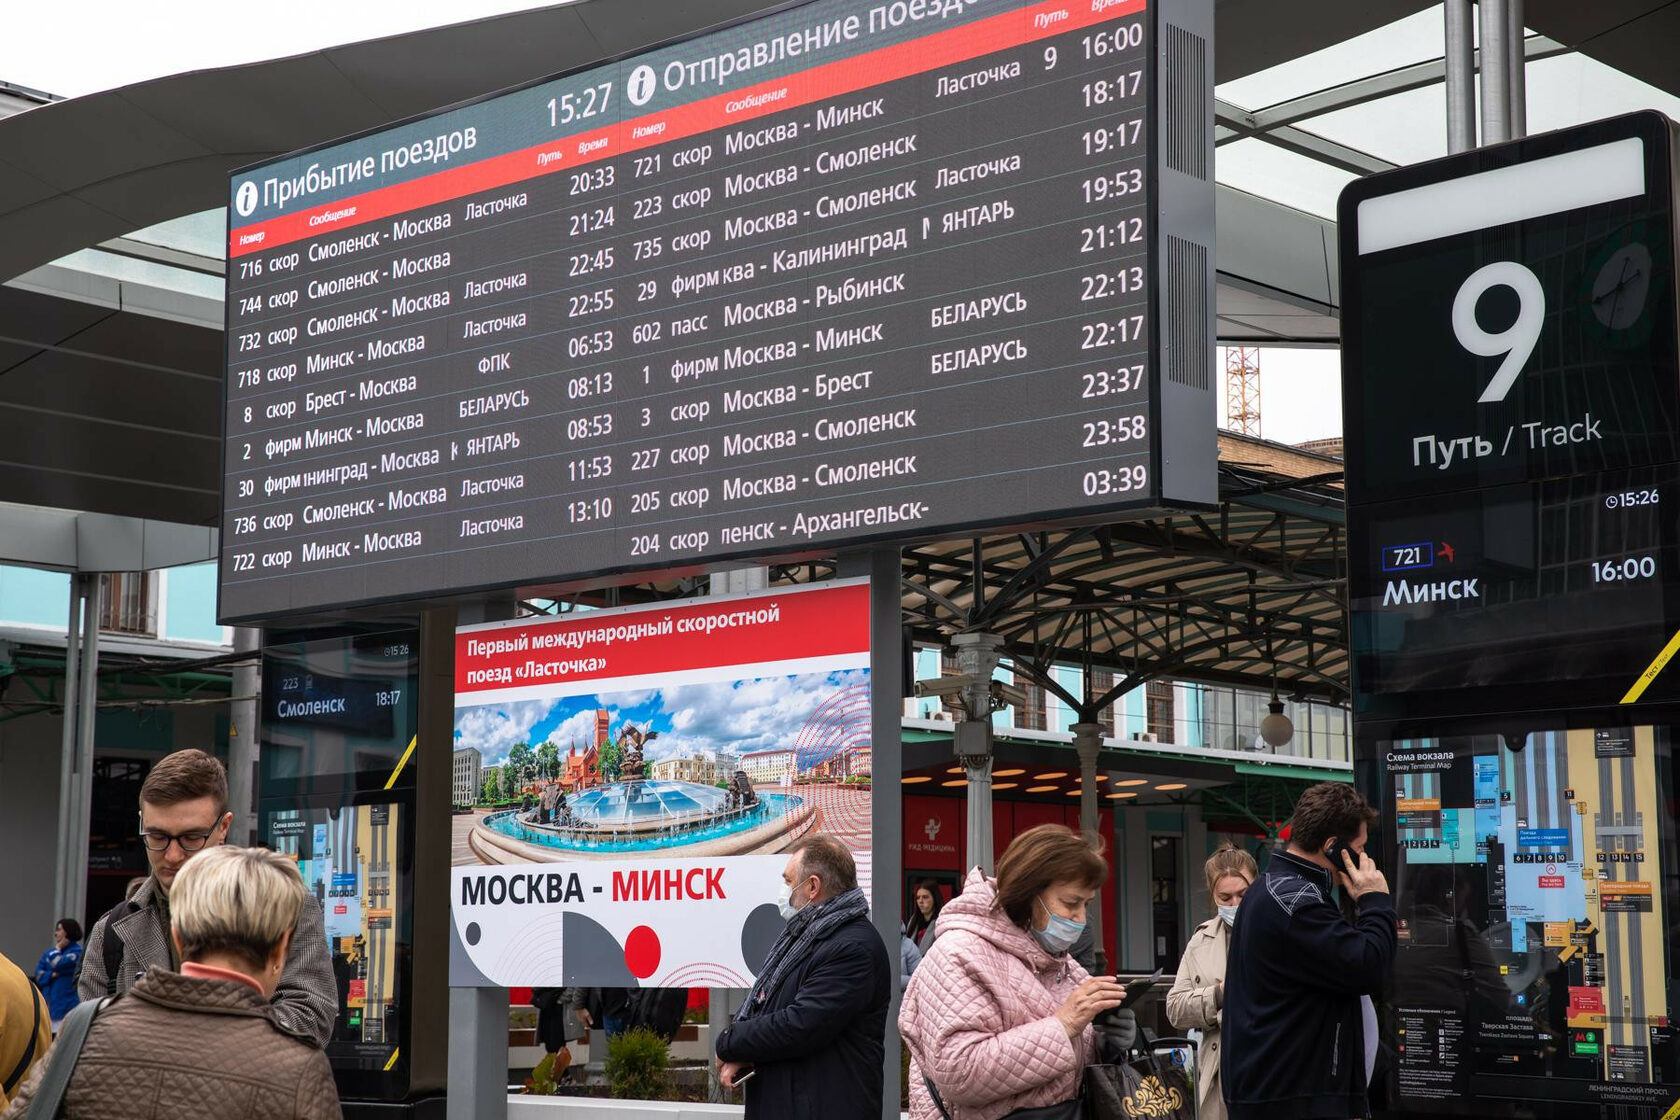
243 746
1461 76
1087 742
977 659
66 870
478 1017
86 719
722 1004
884 567
1517 67
1496 70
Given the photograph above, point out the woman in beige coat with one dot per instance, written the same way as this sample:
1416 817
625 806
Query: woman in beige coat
1198 991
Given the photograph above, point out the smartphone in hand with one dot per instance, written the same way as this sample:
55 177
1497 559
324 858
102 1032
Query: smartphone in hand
1136 989
1334 853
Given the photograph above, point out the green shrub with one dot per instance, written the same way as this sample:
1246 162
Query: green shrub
638 1066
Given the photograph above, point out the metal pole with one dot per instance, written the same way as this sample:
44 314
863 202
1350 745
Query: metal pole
86 722
242 734
977 658
1087 742
886 753
1496 68
1461 76
66 869
478 1017
1517 54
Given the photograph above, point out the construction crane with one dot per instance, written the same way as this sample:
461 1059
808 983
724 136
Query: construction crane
1242 389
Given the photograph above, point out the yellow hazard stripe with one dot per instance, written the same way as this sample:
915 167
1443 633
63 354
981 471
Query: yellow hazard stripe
1657 665
409 753
398 1050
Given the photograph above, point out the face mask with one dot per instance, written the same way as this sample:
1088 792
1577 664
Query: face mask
1059 933
784 903
1228 915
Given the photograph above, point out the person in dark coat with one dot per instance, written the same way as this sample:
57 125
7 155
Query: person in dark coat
812 1030
1299 1025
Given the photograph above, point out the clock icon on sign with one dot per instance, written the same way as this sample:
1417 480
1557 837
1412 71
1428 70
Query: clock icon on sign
1621 287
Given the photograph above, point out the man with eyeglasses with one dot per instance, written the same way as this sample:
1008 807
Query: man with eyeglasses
183 810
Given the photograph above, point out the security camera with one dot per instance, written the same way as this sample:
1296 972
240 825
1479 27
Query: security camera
942 686
1514 740
1010 695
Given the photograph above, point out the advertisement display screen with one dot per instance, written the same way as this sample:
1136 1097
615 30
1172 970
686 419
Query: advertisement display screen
341 709
351 860
777 287
1533 876
642 773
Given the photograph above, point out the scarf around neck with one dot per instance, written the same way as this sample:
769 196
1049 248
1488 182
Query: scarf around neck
804 932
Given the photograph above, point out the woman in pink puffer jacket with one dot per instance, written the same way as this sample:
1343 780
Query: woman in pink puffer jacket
998 1015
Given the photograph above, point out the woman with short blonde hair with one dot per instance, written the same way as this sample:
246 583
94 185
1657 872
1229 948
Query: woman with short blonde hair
1197 999
193 1043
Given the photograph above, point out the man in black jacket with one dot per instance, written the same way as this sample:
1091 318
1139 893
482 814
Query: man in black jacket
1297 1012
813 1028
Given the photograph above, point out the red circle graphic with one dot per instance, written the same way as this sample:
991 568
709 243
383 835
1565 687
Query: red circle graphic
641 952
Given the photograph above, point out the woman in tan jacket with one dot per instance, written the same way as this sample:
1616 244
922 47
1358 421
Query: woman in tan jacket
203 1044
1198 991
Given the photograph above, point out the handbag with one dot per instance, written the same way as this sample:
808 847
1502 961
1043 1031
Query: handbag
1063 1110
1144 1088
61 1060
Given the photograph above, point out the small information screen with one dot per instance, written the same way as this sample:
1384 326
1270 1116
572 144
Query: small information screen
848 272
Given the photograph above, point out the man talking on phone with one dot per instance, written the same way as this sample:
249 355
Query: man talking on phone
1299 1027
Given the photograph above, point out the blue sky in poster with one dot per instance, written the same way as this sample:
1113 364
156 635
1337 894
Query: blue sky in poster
734 716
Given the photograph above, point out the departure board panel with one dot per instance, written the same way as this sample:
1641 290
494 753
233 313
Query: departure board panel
850 272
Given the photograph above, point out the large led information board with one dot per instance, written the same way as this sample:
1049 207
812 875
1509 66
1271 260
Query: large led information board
851 271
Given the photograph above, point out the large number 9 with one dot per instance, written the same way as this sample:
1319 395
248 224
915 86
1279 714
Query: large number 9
1517 341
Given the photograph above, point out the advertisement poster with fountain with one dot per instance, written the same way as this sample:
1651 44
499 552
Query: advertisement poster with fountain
627 783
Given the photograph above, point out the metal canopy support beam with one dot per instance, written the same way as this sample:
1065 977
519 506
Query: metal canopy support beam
886 689
68 870
1087 743
1496 69
1460 63
1516 58
977 658
242 733
477 1065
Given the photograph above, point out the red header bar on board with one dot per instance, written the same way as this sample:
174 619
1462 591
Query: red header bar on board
787 626
820 83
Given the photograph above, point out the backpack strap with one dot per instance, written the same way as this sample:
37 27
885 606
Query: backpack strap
28 1059
61 1062
111 946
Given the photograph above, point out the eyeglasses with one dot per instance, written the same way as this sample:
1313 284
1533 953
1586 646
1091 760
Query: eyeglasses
190 841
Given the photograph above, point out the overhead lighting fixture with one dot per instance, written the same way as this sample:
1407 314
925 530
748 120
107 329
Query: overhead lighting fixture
1122 793
915 780
955 770
1051 776
1169 786
1042 789
1133 782
1004 785
955 782
1007 773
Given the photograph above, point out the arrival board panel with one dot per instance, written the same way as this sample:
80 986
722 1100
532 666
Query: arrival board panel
623 321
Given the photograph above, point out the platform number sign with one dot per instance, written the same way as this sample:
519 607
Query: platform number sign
1509 313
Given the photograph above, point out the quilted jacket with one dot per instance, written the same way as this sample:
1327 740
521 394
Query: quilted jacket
180 1048
979 1016
305 1003
1193 1004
